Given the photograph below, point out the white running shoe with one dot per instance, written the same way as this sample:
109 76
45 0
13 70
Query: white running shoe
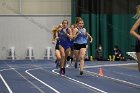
67 65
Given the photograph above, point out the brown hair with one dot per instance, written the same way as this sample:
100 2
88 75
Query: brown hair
64 21
78 19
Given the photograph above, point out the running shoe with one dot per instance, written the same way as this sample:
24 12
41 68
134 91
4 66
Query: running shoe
81 72
62 71
67 65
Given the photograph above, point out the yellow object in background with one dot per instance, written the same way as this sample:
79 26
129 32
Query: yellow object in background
111 58
91 58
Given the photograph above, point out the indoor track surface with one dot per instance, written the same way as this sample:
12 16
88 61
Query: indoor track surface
41 76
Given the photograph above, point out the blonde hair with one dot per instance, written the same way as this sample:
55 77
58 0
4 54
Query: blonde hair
54 30
137 15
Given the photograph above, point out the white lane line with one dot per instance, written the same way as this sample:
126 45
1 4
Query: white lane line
115 79
40 90
6 69
111 65
94 88
124 74
27 71
5 83
37 67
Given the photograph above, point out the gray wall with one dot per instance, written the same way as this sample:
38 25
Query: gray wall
55 7
25 31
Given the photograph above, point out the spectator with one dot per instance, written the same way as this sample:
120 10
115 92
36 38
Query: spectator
118 54
99 53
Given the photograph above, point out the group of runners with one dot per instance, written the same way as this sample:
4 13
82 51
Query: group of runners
70 44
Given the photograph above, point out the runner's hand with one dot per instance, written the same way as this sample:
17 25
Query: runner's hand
138 37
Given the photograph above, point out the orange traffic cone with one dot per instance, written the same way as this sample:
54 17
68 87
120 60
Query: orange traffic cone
100 72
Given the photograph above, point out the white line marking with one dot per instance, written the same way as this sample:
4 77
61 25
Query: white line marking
40 90
6 69
119 80
110 65
128 75
5 83
81 82
56 91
